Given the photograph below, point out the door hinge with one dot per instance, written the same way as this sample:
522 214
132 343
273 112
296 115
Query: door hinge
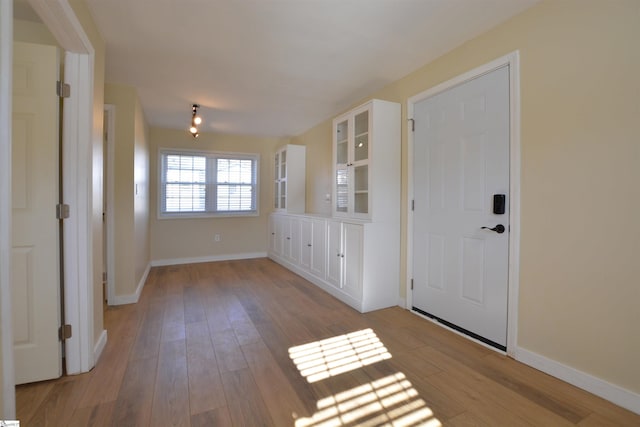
411 284
63 89
62 211
413 125
64 333
413 205
104 277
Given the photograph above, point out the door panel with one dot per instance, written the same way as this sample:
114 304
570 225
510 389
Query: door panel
319 250
352 262
334 252
461 270
35 245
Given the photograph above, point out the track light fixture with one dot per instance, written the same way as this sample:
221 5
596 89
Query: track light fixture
195 121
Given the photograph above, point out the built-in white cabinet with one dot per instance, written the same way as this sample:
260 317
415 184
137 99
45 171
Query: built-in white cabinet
354 254
289 179
344 267
366 161
313 249
358 262
284 239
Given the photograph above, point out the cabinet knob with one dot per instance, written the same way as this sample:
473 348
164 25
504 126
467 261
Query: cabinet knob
309 244
288 238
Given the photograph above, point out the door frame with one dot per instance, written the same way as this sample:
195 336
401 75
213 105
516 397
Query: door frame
109 176
513 61
78 131
8 404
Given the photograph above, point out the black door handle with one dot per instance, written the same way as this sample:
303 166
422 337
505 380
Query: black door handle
498 228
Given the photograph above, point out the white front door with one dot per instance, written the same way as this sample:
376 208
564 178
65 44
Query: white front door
35 235
461 165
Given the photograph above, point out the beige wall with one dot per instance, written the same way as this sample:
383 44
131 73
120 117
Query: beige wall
32 32
173 239
131 173
580 239
319 166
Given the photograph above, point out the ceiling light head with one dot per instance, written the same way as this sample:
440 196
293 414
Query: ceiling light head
195 120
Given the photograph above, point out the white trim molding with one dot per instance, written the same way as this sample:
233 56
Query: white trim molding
611 392
109 176
135 297
100 345
8 404
511 60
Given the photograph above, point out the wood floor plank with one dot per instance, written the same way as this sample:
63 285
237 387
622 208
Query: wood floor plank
205 384
282 401
107 376
29 397
171 392
218 417
147 341
478 386
228 352
193 304
94 416
60 403
244 401
133 405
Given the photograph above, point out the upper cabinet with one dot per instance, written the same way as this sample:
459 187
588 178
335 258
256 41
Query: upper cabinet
366 162
289 179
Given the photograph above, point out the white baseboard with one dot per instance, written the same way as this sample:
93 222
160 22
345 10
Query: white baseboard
226 257
611 392
133 298
99 347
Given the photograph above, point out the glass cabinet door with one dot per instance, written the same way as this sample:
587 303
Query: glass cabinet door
283 179
361 163
276 187
361 189
342 142
361 137
352 144
342 190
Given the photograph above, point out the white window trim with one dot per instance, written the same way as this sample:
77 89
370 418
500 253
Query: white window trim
223 154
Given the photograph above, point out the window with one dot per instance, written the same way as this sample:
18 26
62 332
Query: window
207 184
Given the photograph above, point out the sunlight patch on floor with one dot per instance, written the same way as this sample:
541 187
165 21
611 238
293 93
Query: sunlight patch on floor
333 356
389 401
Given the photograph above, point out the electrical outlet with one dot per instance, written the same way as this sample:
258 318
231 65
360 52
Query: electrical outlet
217 237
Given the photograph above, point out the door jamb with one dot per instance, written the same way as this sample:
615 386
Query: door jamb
109 175
8 393
513 61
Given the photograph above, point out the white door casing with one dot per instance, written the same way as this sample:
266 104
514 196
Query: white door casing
461 272
35 260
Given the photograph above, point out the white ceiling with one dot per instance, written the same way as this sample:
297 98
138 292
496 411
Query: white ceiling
277 67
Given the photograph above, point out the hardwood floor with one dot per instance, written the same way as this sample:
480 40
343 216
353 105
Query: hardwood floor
248 343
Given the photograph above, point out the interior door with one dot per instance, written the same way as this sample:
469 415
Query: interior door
461 161
35 235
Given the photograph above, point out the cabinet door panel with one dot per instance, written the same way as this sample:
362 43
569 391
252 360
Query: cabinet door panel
334 252
306 243
292 247
319 249
352 247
